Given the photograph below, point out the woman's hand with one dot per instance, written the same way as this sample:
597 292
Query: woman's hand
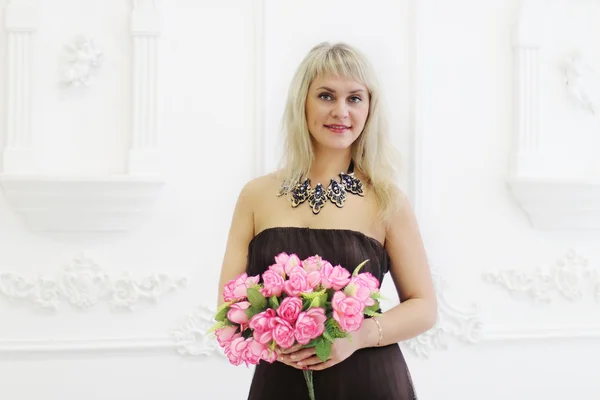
300 358
294 354
340 350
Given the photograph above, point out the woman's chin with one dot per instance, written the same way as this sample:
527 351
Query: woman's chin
335 143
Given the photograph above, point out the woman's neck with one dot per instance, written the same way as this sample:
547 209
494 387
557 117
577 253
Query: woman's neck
328 165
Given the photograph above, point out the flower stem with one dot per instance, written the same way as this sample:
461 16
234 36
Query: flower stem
308 376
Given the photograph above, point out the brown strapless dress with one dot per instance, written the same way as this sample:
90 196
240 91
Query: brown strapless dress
376 373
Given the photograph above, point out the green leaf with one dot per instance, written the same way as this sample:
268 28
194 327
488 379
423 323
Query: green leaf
359 267
327 336
315 299
319 301
371 313
313 295
374 308
222 314
323 349
306 304
256 298
334 330
378 296
252 311
224 305
274 302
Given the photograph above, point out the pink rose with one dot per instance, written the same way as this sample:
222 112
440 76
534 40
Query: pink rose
282 258
226 335
286 261
292 262
297 282
236 288
278 269
310 325
368 280
334 277
283 333
313 278
235 350
237 312
261 324
347 311
272 284
253 351
269 355
245 350
290 308
313 263
361 287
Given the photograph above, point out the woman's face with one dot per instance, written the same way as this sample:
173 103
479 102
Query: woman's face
336 111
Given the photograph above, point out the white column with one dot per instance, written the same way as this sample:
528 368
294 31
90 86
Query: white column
144 156
527 110
18 157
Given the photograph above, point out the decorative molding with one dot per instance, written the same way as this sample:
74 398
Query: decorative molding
550 202
542 333
464 325
83 285
192 338
576 71
100 345
92 204
568 278
558 203
82 61
100 203
144 157
21 23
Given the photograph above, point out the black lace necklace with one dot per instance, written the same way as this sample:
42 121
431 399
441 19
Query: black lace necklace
317 197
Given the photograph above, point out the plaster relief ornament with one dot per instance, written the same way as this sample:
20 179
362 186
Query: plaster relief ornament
82 61
577 72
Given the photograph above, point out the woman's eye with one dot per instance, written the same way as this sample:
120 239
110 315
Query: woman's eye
355 99
325 96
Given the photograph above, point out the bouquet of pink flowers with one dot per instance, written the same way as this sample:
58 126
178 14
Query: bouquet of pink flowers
309 302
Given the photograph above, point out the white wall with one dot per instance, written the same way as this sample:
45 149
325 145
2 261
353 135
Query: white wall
222 73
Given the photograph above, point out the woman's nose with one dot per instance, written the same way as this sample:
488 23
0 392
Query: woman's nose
340 110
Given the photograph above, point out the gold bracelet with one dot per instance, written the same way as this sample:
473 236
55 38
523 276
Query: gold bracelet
380 331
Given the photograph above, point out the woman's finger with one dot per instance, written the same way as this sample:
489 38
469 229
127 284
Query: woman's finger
292 349
303 354
318 367
314 360
285 359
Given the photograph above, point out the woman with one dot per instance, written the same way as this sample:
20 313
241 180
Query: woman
333 123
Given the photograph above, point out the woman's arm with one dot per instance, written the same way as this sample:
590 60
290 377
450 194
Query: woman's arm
409 269
241 233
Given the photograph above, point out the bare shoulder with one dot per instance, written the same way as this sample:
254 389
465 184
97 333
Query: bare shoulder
255 189
263 182
403 217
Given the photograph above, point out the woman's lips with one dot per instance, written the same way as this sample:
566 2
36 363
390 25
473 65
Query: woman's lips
337 128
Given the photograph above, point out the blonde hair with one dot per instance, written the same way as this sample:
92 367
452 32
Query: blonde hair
372 152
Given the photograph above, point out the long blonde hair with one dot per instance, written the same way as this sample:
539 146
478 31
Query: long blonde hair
372 152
